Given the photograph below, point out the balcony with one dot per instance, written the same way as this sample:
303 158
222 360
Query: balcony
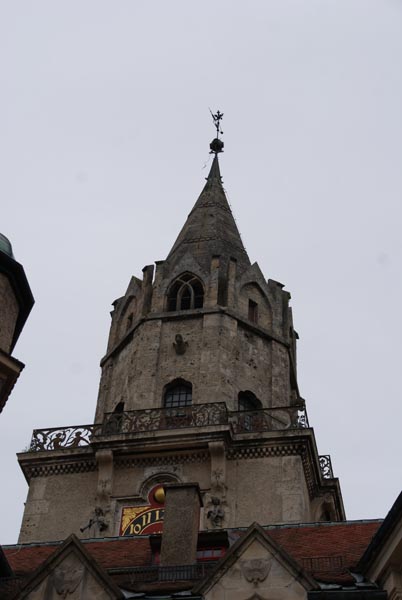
157 573
163 419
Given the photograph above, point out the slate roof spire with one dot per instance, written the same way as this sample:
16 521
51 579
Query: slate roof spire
210 229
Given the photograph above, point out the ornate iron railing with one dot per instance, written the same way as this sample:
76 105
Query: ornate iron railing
159 419
175 573
269 419
63 437
326 466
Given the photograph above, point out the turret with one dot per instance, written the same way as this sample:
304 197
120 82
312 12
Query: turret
16 301
208 322
198 388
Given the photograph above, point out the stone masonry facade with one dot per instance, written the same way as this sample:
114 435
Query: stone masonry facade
205 323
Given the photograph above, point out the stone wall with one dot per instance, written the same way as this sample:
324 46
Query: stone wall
257 572
222 357
58 505
270 490
9 313
267 488
224 352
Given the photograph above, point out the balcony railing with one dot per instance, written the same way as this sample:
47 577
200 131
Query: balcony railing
269 419
57 438
326 466
175 573
160 419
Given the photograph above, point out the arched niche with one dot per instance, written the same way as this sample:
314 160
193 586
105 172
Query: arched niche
254 305
178 393
247 400
186 292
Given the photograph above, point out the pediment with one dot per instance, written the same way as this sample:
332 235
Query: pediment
186 263
254 275
134 287
70 572
256 568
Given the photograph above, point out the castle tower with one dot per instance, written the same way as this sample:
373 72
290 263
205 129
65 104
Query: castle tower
16 301
198 384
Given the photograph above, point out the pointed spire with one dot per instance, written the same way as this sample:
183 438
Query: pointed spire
215 172
210 229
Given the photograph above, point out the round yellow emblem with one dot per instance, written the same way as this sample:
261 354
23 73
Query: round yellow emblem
159 495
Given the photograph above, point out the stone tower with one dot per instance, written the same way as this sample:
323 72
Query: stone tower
198 384
16 301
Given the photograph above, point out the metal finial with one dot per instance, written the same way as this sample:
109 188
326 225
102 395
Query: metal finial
217 145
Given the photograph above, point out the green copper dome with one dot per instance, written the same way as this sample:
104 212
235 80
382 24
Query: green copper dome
5 246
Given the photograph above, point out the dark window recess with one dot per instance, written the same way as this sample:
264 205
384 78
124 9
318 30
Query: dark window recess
186 293
178 394
252 311
203 555
129 321
206 554
248 401
115 420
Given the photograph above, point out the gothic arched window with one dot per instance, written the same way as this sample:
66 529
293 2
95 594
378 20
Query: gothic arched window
178 393
248 401
186 293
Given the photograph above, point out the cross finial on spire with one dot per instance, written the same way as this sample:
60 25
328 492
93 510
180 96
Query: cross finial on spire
217 145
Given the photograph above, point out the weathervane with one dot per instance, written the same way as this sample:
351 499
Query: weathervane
217 145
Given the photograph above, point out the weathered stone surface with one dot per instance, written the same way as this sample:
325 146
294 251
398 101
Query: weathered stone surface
59 505
70 572
255 568
181 524
9 312
239 339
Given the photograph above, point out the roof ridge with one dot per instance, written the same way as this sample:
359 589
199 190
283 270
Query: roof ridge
120 538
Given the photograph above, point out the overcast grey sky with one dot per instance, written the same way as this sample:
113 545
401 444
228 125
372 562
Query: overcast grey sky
104 133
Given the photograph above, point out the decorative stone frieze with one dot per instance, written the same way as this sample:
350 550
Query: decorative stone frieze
123 463
59 469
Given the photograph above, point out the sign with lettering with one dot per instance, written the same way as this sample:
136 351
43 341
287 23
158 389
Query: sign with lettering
143 520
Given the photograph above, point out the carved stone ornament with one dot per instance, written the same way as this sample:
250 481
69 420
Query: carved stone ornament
256 570
179 344
67 579
216 514
98 519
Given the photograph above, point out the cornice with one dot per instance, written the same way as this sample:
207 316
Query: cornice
247 452
46 470
172 459
293 443
191 314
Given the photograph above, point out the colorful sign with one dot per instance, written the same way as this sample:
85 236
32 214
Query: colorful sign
143 520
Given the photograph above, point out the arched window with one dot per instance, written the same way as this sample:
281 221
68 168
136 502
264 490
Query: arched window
186 293
114 421
248 401
178 393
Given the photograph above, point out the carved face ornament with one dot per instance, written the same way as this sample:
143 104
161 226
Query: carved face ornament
256 570
67 579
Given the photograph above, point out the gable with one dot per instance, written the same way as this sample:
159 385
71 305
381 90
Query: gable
257 574
256 567
70 573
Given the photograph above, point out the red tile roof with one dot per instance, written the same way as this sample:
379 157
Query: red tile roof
124 552
348 540
326 551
